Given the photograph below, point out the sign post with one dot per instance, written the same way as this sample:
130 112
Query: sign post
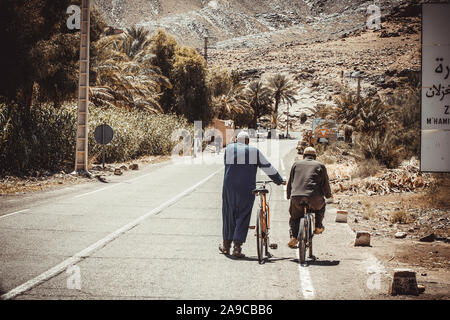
103 135
81 154
435 114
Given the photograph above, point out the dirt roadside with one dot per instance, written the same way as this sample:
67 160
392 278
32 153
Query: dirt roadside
46 181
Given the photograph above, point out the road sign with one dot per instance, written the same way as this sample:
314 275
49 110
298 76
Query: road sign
324 133
103 135
435 123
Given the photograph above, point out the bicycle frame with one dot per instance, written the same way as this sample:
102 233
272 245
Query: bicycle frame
262 223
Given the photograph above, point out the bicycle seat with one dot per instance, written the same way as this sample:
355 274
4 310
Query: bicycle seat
260 190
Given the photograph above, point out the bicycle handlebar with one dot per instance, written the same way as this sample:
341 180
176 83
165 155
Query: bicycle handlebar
264 182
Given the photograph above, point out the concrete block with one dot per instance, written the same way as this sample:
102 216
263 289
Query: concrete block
342 216
362 239
404 283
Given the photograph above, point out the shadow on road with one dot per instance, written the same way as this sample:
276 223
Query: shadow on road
255 259
322 263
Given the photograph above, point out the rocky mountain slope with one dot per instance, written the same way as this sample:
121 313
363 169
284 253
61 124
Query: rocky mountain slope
243 22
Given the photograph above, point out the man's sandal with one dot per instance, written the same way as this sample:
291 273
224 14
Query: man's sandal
237 252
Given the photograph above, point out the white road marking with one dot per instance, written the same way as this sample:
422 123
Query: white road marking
306 285
14 213
98 245
102 189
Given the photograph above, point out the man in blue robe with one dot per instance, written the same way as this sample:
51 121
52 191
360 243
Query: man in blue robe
241 165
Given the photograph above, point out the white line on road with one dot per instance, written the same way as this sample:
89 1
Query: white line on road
98 245
305 281
102 189
14 213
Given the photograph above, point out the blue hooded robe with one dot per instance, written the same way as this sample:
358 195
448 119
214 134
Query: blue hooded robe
241 165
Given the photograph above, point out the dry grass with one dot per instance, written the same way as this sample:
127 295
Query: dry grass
367 168
402 217
437 196
369 212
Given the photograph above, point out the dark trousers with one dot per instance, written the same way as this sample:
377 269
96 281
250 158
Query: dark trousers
297 211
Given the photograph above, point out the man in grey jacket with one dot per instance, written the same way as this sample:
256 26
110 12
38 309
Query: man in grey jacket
309 181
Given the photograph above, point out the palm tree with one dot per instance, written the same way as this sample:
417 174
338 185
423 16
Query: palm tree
260 100
231 104
284 89
125 76
135 42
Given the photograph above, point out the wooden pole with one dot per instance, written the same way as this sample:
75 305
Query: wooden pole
358 93
81 156
206 49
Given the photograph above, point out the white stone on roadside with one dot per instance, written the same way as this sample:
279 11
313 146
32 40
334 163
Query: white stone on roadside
401 235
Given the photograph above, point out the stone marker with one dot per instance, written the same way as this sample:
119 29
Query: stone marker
342 216
404 283
362 239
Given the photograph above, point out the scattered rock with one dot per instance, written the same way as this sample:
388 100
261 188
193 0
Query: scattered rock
401 235
134 167
429 238
118 172
124 168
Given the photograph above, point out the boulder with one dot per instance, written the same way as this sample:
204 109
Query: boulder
429 238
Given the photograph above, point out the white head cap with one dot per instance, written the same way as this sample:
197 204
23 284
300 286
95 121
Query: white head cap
242 137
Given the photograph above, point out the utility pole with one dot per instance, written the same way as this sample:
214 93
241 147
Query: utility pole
206 49
358 90
81 154
287 120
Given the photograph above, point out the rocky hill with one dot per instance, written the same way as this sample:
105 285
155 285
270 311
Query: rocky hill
240 23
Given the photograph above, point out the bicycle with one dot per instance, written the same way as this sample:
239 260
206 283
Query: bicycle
263 223
306 234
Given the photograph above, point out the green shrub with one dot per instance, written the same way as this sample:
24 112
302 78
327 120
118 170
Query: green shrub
50 143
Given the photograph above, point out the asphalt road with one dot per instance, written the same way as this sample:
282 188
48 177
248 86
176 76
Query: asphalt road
155 235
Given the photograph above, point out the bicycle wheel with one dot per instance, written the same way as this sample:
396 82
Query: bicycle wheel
266 240
259 239
302 239
310 236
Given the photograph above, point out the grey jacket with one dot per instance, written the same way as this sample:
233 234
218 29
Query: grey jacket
309 178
